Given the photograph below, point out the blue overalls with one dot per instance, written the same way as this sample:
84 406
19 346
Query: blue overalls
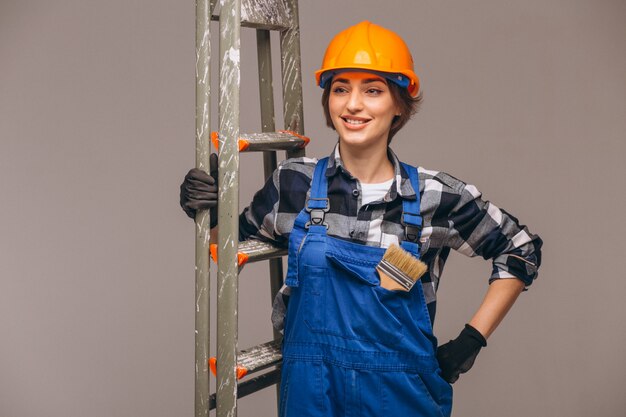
351 347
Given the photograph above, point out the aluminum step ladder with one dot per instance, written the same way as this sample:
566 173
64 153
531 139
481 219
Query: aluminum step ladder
264 16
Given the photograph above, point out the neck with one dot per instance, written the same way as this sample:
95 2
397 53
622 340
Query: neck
369 165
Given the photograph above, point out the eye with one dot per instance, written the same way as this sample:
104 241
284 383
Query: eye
339 90
374 91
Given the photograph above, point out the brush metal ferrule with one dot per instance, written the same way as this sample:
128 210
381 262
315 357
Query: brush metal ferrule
396 274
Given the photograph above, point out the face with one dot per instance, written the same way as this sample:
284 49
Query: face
361 108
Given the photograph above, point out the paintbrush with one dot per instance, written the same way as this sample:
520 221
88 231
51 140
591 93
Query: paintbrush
399 270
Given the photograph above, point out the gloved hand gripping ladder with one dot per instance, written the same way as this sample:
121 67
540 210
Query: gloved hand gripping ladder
262 15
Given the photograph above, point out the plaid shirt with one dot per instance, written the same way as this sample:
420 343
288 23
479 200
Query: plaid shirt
454 217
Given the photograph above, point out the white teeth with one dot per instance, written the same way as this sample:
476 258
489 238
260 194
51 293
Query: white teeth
354 122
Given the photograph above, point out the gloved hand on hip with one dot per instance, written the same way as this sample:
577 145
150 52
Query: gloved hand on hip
199 191
457 356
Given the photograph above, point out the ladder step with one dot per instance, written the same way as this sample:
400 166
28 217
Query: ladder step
253 385
283 140
254 359
263 14
252 250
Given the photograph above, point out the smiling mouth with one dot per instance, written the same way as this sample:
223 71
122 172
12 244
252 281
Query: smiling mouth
355 121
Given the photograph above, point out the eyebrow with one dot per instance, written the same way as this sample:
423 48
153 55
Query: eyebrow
365 81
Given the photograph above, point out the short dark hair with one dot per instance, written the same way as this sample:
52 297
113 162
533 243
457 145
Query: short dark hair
408 107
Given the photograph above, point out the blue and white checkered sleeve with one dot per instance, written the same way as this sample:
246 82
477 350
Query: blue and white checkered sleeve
257 221
479 228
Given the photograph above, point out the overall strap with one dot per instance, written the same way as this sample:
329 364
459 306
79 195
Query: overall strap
319 183
411 218
318 205
309 220
317 197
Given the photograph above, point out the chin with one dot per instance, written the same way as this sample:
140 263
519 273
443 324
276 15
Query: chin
358 143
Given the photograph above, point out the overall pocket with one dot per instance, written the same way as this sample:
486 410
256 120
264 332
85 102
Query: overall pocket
439 391
343 300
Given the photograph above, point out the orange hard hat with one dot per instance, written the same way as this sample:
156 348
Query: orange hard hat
370 47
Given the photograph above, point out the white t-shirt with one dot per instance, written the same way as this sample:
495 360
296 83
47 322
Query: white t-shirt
376 192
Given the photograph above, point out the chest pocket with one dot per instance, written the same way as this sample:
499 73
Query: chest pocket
344 299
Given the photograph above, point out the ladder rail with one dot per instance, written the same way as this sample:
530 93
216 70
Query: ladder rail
293 112
228 208
234 14
266 95
202 232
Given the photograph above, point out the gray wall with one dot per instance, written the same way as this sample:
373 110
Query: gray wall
525 99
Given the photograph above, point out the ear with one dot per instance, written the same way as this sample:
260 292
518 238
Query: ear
398 110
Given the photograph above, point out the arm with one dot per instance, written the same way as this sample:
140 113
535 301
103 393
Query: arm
498 301
482 229
479 228
257 221
458 355
199 192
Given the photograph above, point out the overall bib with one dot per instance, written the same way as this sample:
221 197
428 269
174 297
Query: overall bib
351 347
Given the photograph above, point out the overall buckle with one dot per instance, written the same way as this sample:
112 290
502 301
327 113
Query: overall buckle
411 232
317 214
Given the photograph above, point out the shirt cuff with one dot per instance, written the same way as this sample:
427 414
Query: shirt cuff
514 266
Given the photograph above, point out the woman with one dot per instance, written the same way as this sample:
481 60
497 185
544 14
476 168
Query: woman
352 347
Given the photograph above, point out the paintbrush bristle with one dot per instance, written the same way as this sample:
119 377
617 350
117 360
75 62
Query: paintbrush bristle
405 262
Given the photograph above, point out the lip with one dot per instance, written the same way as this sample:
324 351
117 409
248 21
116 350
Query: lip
351 126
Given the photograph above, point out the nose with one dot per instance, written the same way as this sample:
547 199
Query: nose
355 101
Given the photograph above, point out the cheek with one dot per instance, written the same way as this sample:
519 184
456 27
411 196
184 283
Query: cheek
386 110
385 115
334 107
332 111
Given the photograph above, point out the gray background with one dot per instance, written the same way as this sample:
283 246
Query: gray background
525 99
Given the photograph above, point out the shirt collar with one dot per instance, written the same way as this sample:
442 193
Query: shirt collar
401 183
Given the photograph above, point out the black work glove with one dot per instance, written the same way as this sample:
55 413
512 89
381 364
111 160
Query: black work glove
199 191
457 356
